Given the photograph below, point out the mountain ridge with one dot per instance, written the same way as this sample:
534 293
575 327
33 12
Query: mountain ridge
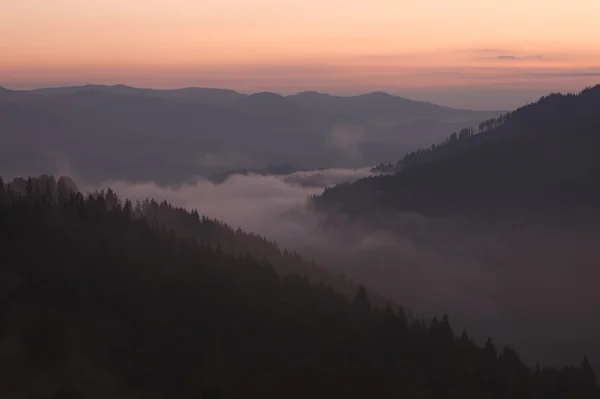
541 148
195 131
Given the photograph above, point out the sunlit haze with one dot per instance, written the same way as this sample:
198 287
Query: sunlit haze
452 51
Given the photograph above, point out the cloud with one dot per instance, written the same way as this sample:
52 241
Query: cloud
563 74
253 202
516 279
346 138
522 57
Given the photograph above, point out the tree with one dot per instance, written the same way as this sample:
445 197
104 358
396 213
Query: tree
465 133
2 191
487 368
361 305
403 321
589 378
128 209
29 189
445 329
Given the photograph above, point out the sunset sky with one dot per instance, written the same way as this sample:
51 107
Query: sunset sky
429 49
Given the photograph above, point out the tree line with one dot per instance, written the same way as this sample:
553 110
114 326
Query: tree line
421 155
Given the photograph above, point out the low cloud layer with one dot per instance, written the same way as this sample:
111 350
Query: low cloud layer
527 283
253 202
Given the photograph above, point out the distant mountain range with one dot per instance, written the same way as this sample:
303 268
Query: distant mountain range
169 136
382 109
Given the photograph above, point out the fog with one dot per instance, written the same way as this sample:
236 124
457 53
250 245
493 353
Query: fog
269 205
522 281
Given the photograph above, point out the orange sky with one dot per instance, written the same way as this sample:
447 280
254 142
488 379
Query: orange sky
292 45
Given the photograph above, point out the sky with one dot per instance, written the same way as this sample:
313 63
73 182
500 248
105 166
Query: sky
452 51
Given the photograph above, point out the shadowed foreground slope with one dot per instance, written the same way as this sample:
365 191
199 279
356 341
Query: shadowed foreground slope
98 304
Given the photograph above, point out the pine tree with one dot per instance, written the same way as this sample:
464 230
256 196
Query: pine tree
589 378
2 191
361 304
29 188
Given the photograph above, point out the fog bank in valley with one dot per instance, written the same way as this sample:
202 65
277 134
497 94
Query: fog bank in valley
528 284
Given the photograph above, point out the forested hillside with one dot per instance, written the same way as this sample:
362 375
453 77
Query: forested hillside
98 303
210 232
219 235
543 155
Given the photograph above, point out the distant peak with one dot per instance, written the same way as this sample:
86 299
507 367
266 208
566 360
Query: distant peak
91 86
311 93
122 86
266 94
196 88
378 94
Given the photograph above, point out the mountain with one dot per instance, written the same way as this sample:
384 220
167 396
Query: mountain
541 155
148 138
172 136
384 110
506 215
195 94
96 302
267 103
412 133
29 137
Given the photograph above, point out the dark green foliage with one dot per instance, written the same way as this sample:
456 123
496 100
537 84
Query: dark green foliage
165 316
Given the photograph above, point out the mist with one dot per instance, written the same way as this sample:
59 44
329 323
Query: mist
527 283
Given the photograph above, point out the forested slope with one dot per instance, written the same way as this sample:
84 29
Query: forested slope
541 156
97 303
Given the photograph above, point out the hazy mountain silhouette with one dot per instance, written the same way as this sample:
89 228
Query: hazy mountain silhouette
172 135
267 103
377 107
412 133
384 109
198 94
